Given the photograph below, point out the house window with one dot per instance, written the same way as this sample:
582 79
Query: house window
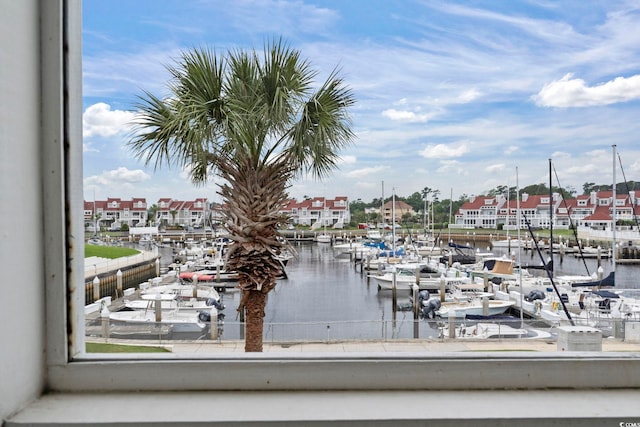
70 369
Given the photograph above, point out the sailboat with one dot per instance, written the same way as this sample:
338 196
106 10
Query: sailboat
508 243
324 237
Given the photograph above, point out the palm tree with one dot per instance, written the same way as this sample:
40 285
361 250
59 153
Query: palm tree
153 211
257 122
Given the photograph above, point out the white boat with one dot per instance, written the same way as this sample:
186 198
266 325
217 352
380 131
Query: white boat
509 243
361 248
180 321
170 302
427 251
591 252
373 234
490 330
179 290
501 267
406 278
96 241
477 307
323 238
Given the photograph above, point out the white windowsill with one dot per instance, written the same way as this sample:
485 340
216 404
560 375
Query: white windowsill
370 408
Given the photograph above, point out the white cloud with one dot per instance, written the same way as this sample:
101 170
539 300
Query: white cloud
359 173
116 177
347 160
452 167
467 96
87 148
511 149
440 151
100 120
599 153
407 116
585 170
499 167
573 92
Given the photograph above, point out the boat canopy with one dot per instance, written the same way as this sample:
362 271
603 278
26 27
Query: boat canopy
607 281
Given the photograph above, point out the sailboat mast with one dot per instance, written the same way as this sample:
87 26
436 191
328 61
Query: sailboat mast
450 211
95 215
382 204
519 247
550 213
393 220
507 222
613 213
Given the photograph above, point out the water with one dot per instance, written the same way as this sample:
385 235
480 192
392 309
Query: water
326 298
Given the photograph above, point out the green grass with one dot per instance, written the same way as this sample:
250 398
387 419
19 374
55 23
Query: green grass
94 347
110 252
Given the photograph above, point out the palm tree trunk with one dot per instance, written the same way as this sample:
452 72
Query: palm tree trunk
255 302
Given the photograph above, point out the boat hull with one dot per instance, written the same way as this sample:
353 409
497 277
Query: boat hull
477 308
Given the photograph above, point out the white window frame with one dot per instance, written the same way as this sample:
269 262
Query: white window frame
71 370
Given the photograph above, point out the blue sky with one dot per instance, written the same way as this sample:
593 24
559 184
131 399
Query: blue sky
460 96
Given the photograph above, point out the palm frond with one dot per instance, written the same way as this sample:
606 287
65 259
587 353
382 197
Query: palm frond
324 128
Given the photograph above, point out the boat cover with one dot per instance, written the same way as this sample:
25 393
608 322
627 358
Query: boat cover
607 281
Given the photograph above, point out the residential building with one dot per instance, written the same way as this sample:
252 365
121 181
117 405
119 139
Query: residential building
319 211
594 210
480 212
399 208
115 212
192 213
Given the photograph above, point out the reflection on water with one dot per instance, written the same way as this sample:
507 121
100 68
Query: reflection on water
327 298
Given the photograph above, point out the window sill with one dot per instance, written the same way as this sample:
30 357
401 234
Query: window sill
370 408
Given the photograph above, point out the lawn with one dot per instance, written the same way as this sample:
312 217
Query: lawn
94 347
110 252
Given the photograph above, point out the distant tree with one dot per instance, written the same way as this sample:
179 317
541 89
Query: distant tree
499 190
152 212
535 189
356 206
377 202
588 187
425 193
357 217
625 187
415 201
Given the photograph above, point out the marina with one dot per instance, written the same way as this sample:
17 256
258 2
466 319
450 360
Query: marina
328 298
